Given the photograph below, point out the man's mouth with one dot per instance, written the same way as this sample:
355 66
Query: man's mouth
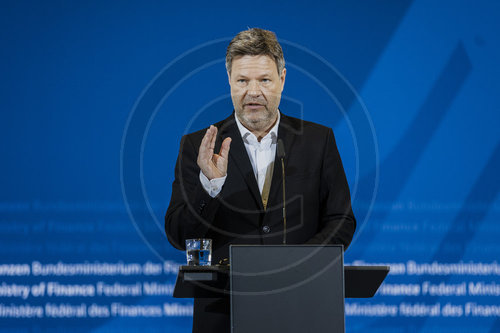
253 105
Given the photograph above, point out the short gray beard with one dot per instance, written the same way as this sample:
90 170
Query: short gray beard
257 125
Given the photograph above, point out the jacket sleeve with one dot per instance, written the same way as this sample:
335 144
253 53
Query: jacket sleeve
337 222
191 210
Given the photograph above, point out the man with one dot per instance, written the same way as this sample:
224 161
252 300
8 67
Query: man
228 187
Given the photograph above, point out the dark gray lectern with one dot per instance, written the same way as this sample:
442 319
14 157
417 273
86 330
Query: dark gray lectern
287 289
282 288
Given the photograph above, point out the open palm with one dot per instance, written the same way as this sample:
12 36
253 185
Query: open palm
213 165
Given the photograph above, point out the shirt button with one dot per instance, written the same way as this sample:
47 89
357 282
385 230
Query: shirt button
266 229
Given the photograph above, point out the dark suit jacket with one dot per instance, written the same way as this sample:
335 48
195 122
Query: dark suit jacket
318 201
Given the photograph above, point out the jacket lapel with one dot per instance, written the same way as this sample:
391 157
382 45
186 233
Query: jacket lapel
239 156
286 132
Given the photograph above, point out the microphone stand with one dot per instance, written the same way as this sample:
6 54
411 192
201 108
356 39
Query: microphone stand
281 155
284 201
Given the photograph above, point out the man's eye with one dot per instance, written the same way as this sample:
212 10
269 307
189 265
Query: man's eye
265 80
242 81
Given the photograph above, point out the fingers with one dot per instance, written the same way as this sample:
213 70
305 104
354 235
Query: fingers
214 136
224 149
204 153
221 159
213 165
206 161
206 146
207 138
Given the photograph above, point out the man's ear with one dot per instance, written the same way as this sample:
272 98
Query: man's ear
282 78
229 78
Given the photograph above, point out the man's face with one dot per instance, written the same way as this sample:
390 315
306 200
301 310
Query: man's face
256 90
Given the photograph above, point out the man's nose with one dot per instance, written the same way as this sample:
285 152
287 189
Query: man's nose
254 89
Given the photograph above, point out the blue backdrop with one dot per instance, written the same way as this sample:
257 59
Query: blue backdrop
96 95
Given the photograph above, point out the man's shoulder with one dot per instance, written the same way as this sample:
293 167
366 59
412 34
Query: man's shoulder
296 124
305 126
197 136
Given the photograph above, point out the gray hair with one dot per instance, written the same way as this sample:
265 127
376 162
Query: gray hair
254 42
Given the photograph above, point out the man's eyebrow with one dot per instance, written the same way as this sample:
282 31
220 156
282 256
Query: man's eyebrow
266 74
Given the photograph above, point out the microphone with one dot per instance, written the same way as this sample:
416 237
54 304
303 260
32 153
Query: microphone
281 149
281 156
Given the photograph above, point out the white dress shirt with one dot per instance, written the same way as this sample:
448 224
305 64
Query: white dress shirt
261 156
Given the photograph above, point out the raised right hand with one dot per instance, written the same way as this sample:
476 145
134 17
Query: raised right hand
213 165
